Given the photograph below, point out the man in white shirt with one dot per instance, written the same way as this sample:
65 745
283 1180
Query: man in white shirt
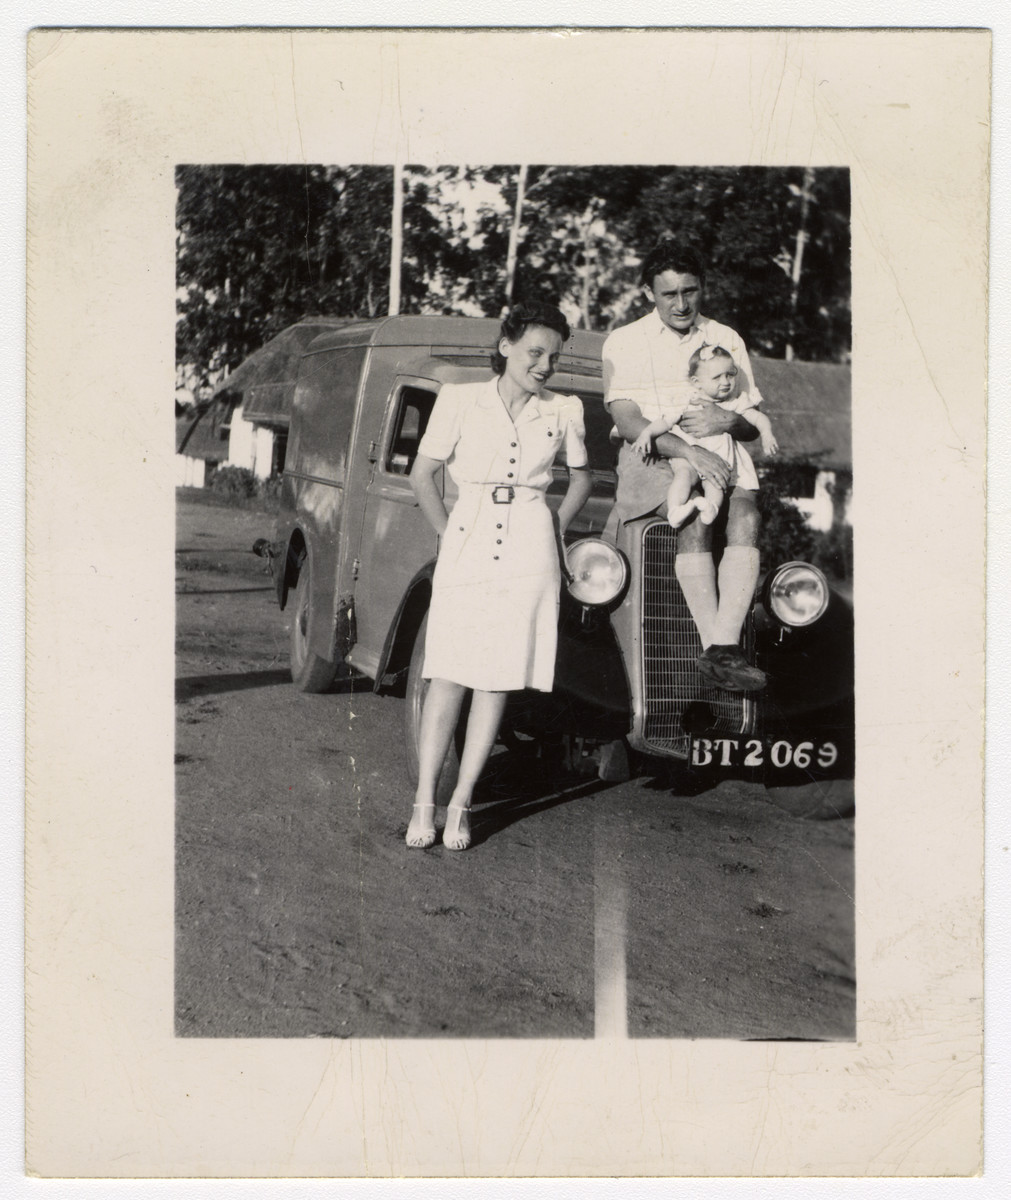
645 369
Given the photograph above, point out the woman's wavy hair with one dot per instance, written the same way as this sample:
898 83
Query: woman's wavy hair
519 319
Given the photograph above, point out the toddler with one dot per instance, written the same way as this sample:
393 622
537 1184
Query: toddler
713 375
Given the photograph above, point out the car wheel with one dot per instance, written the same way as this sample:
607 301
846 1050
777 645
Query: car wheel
417 687
823 800
309 672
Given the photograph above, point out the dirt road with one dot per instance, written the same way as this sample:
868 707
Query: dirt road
582 905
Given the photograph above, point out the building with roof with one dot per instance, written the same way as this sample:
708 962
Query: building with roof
810 407
201 445
258 394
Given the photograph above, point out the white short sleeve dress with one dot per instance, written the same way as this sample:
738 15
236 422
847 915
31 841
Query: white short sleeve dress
493 621
742 469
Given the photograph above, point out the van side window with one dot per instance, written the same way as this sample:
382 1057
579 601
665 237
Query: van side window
414 407
601 451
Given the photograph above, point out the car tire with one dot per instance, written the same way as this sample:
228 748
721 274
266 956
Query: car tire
417 687
823 800
309 672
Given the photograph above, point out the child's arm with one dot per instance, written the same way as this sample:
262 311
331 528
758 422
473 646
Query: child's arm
764 426
643 444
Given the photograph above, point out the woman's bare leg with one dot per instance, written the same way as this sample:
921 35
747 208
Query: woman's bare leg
485 716
439 716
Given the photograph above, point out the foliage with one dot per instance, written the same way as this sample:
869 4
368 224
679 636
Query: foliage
238 482
833 552
587 229
745 221
270 488
784 535
259 247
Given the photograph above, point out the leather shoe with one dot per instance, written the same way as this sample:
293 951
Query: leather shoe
726 667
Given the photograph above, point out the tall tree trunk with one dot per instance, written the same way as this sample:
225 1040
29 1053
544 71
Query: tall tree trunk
798 258
514 236
589 264
397 238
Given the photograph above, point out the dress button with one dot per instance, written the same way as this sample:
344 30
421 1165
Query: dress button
498 541
513 461
550 434
498 526
513 445
461 529
495 556
510 475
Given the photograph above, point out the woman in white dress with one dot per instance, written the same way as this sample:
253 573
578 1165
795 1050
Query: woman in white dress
493 620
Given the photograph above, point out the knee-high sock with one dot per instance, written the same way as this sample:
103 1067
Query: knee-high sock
738 576
696 574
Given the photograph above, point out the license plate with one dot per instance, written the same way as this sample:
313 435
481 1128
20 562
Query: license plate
766 754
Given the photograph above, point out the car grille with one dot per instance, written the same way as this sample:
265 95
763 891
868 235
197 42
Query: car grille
670 648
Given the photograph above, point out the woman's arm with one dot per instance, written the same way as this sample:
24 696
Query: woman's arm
423 484
576 495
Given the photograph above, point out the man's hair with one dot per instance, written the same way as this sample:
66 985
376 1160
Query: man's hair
519 320
669 255
705 354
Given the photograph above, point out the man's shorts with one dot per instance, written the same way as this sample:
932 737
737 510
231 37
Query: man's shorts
643 486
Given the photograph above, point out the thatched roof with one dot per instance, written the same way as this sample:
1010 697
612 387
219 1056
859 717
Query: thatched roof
205 435
277 361
269 403
809 405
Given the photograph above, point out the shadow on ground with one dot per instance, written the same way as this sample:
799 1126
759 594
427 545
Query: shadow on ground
220 681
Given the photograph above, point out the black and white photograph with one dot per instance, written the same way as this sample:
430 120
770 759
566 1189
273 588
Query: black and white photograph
505 617
650 767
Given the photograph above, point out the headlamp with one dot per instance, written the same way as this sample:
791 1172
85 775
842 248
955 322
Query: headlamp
796 594
599 572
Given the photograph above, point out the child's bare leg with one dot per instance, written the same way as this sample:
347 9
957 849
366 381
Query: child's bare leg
710 502
679 506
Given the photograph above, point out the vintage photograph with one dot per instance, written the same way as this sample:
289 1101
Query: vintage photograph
514 519
505 545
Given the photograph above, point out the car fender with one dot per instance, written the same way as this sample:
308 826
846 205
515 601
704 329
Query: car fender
396 653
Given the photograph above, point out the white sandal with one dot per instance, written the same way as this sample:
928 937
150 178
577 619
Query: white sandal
454 836
422 838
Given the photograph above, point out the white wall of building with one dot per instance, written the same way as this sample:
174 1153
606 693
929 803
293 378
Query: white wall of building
241 452
250 446
263 448
818 511
190 472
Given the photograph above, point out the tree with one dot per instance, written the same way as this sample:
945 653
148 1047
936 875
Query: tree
259 247
582 233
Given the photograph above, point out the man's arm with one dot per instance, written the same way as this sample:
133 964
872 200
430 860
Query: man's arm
699 424
708 419
630 423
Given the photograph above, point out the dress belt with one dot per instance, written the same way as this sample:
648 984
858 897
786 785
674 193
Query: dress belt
502 493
